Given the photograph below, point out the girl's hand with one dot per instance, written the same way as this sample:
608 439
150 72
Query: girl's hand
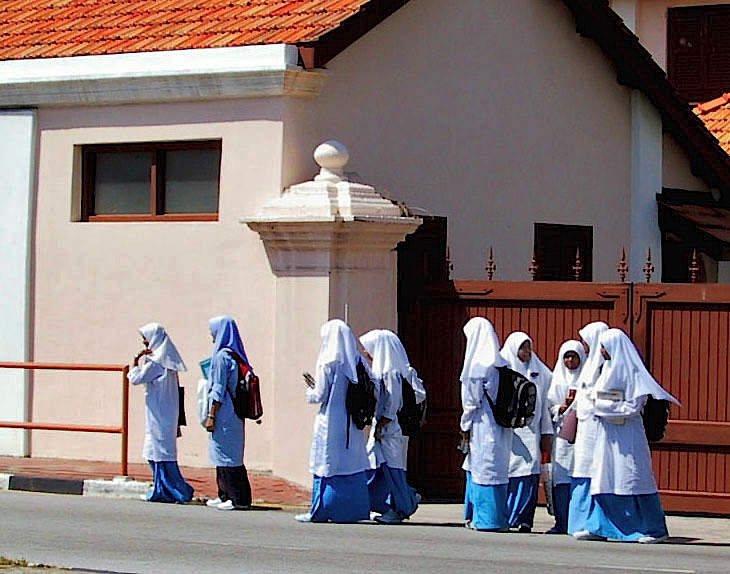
210 424
139 355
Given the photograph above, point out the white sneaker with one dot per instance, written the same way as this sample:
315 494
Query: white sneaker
306 517
213 502
652 539
227 505
390 517
143 497
585 535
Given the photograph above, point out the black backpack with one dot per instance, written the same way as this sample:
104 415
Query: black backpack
516 398
656 416
360 400
412 415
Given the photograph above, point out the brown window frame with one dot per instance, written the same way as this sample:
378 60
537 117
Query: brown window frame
157 180
571 238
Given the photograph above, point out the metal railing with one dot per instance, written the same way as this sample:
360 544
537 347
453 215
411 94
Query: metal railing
122 430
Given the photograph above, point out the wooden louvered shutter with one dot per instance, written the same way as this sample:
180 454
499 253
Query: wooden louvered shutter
684 52
718 52
698 51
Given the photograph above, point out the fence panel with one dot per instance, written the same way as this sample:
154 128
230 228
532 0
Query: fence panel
549 312
683 332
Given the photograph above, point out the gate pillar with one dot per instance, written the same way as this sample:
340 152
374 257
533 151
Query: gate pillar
330 244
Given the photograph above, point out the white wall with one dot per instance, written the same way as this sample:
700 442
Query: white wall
496 114
17 165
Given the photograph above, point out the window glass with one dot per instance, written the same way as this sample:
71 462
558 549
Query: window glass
122 182
191 184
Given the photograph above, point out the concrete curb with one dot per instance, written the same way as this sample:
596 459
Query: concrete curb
118 487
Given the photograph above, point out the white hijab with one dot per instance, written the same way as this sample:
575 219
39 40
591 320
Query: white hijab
625 371
339 346
563 378
590 334
163 349
509 352
388 355
482 350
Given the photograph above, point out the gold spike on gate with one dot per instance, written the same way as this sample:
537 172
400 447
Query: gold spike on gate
648 267
491 266
623 268
694 267
578 265
533 266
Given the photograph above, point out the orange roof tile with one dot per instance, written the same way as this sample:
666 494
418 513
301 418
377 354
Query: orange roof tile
57 28
716 116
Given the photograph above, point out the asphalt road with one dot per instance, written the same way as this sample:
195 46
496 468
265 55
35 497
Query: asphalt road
124 536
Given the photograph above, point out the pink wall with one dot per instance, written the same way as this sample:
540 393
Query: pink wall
96 283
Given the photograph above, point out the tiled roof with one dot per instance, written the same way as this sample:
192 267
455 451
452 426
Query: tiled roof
716 115
55 28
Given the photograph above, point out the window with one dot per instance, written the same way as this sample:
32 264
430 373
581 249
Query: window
556 247
173 181
698 51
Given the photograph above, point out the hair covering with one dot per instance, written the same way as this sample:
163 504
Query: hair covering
590 334
563 378
482 349
388 355
339 346
625 371
512 344
163 349
225 333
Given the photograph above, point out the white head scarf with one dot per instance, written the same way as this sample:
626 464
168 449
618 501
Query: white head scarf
625 371
163 349
339 346
509 352
590 334
482 350
388 355
563 378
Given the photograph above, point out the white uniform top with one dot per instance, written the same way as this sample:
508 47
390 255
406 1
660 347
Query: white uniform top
489 443
526 454
392 449
622 459
330 454
585 436
161 410
564 380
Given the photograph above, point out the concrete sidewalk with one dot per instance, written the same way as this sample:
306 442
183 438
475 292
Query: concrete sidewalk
98 478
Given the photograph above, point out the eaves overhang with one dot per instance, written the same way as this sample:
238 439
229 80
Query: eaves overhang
154 77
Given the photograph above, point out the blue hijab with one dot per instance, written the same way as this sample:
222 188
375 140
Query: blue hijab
225 332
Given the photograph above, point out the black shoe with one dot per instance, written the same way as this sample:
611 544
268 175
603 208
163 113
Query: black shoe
524 528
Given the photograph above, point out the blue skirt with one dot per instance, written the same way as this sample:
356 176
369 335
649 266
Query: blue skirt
581 503
389 489
561 503
342 498
618 517
522 500
485 507
168 484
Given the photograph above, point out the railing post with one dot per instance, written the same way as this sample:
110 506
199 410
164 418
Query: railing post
125 419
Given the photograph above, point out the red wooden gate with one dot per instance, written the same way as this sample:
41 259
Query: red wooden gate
682 331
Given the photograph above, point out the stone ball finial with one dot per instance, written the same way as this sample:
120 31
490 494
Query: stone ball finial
332 156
